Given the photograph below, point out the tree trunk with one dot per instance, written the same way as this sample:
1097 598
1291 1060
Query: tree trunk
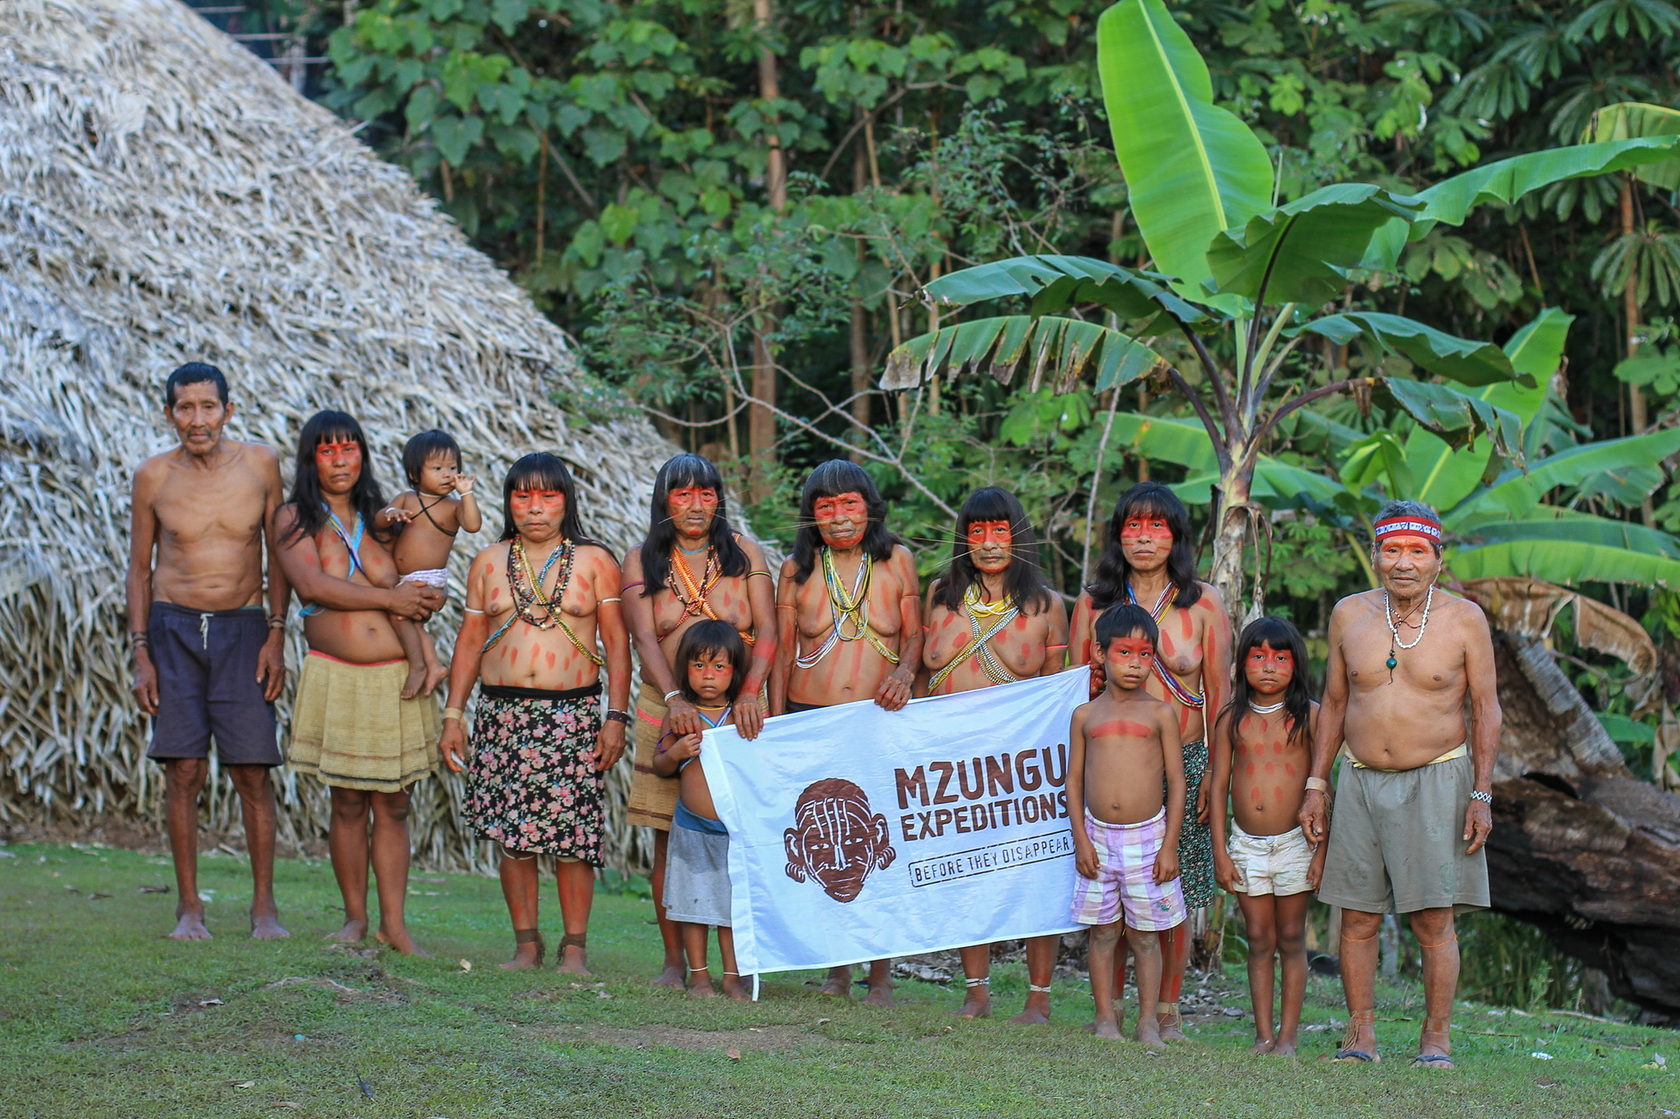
761 419
1580 847
1233 519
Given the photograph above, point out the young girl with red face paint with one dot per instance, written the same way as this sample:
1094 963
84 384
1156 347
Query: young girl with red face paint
1261 750
713 658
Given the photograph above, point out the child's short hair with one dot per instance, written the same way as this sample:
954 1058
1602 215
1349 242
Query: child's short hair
422 447
711 636
1124 619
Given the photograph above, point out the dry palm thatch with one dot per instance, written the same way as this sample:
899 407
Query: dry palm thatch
164 197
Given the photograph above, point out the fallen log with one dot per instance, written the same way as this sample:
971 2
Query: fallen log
1581 847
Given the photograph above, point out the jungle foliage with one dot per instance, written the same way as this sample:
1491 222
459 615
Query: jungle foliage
705 193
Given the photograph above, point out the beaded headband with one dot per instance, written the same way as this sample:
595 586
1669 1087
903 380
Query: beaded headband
1407 526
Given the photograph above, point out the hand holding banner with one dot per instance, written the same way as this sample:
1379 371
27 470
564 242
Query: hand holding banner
857 833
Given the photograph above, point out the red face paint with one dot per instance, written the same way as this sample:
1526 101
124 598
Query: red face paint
842 519
537 509
1406 563
1268 670
1146 527
709 676
991 545
692 508
1129 659
338 465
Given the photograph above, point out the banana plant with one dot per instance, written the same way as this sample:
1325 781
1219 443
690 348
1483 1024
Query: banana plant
1497 507
1243 281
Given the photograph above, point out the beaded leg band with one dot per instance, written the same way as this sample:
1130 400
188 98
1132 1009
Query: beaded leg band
574 940
983 981
1037 990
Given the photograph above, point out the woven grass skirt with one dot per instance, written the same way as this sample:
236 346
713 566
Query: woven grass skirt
352 728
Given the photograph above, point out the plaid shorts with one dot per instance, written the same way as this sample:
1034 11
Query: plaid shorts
1125 884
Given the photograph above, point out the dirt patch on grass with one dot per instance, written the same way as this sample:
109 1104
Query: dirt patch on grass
768 1039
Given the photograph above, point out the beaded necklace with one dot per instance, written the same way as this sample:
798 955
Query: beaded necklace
529 598
1005 610
1184 695
1394 641
1269 709
844 608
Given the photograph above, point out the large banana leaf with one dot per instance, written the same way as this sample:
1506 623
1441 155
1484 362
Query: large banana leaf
1633 118
1192 168
1507 180
1560 546
1168 439
1443 476
1625 470
1455 415
1300 252
1057 283
1458 359
1063 349
1276 484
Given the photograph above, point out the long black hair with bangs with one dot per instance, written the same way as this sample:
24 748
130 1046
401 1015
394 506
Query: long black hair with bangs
679 472
1147 499
1279 633
541 470
330 426
1024 579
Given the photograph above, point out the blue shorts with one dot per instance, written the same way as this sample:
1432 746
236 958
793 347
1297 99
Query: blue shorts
206 665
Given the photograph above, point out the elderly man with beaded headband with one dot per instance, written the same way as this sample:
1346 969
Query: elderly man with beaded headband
541 604
1403 659
692 566
993 619
207 662
1150 560
848 621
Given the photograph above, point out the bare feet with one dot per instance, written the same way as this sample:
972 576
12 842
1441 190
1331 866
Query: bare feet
1263 1045
839 982
1037 1012
671 975
573 961
1149 1036
190 926
266 926
880 994
353 931
1169 1025
1281 1048
735 989
435 675
700 984
415 681
977 1002
401 941
1106 1028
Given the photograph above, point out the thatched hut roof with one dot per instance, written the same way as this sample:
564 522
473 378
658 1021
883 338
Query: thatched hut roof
165 197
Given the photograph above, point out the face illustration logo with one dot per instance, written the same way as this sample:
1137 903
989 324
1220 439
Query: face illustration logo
836 839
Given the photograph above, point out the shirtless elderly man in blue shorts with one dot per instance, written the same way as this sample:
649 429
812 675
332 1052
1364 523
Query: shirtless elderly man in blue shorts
208 658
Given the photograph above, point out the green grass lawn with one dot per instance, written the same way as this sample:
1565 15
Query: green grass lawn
101 1015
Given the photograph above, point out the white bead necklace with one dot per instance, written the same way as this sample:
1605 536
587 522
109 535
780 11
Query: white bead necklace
1268 709
1394 632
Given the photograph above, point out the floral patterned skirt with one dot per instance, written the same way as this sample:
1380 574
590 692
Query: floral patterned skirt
1195 839
529 786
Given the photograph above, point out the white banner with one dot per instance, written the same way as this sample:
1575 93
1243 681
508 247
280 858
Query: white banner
857 833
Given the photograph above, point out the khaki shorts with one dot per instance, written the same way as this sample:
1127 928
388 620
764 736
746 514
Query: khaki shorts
1397 841
1269 864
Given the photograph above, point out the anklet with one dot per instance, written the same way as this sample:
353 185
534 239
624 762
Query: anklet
702 967
983 981
1037 990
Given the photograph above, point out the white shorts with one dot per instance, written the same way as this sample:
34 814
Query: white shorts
1269 864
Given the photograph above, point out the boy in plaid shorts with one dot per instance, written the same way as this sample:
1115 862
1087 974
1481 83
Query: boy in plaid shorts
1125 831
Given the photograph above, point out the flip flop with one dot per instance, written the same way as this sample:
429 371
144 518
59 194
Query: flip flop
1431 1060
1355 1057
